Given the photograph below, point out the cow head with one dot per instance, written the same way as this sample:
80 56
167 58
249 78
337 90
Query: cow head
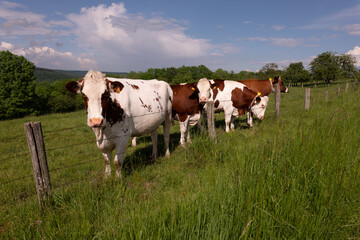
259 106
277 80
204 88
96 92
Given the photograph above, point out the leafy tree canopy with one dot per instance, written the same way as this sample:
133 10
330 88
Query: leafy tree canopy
17 81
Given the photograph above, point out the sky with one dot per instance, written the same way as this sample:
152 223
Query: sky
135 35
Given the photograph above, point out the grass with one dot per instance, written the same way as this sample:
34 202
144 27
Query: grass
296 177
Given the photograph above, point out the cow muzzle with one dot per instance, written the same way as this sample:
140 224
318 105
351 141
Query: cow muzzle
203 100
96 122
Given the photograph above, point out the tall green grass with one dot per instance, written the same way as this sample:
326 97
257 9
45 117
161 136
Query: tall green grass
296 177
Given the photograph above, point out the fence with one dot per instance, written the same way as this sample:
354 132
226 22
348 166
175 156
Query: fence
42 177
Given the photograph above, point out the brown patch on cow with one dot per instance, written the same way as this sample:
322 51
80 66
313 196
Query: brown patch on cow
134 86
170 99
186 100
216 86
262 86
216 104
145 105
112 111
242 99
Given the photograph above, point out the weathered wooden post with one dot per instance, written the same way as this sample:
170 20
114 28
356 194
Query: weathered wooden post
346 87
210 119
354 85
36 145
277 100
338 91
307 98
326 96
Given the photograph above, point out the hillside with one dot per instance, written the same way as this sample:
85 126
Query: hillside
52 75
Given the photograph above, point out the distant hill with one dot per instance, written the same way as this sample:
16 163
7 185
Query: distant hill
52 75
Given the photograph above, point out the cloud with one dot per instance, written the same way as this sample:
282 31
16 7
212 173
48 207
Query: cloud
17 22
116 34
50 58
333 21
278 27
356 53
280 42
353 29
286 42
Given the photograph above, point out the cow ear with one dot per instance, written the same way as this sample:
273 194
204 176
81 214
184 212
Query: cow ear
213 86
115 86
73 86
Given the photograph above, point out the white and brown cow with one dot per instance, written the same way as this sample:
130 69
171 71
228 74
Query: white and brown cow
120 108
233 98
265 87
186 108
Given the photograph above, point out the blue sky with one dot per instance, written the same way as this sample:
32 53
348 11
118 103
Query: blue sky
135 35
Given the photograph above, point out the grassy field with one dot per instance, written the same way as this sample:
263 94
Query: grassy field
296 177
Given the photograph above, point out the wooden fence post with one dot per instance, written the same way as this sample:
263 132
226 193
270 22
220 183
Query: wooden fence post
307 98
346 87
277 100
338 91
326 96
36 145
210 119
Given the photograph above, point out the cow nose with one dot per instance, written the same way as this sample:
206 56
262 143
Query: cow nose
203 99
96 122
261 118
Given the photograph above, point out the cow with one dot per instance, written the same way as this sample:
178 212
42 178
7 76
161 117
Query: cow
265 87
233 98
186 108
120 108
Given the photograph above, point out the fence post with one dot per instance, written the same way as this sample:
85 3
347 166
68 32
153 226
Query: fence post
277 100
326 96
36 145
307 98
346 87
338 91
210 119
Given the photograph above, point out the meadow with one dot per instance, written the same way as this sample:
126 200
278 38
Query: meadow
292 177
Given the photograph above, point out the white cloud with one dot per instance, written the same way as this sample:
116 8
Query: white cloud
114 33
356 53
19 22
50 58
353 29
278 27
286 42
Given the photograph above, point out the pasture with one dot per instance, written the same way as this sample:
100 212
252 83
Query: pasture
295 177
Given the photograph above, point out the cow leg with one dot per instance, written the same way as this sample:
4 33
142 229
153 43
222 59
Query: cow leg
188 139
228 116
107 160
120 152
183 130
249 118
133 142
232 126
166 127
154 139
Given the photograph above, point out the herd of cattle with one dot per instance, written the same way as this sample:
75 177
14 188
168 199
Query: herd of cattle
118 109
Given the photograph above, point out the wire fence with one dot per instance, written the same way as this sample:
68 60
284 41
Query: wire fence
65 146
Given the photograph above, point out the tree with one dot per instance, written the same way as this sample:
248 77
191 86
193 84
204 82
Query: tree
17 81
221 74
325 67
270 70
296 73
347 66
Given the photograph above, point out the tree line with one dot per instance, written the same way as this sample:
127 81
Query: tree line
22 95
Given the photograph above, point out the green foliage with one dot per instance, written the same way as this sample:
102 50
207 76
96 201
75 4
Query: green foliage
269 70
329 67
296 73
17 92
